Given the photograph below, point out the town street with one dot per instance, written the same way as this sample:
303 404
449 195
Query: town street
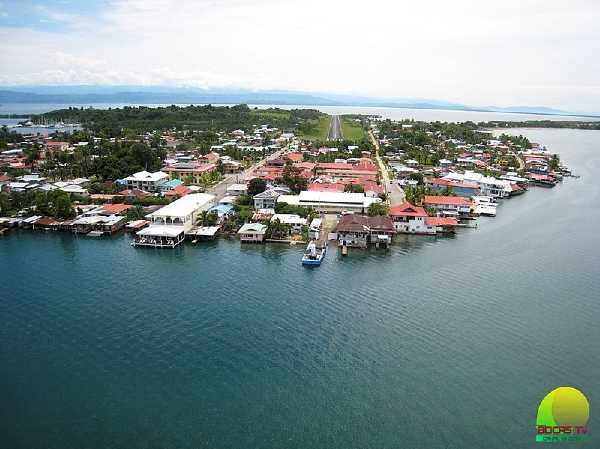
220 189
394 191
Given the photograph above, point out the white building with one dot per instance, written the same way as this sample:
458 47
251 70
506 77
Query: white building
266 199
315 229
143 180
296 222
488 185
237 189
252 233
170 223
335 202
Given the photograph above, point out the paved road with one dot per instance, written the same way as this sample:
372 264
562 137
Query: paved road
394 191
335 129
220 189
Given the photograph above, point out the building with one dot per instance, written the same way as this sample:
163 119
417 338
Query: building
295 222
237 189
345 170
335 202
149 182
252 233
442 224
170 223
188 170
488 185
454 205
359 230
409 219
266 199
461 188
314 230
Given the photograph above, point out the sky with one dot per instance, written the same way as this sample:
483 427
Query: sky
501 53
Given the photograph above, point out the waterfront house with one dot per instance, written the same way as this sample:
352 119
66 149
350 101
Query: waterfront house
170 223
461 188
108 224
149 182
410 219
442 224
295 222
488 185
359 230
252 233
455 205
266 199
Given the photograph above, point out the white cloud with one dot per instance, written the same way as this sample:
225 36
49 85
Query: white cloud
502 53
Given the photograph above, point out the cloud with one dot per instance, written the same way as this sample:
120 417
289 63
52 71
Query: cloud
511 52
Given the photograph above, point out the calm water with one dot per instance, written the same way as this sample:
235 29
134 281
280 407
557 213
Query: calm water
437 343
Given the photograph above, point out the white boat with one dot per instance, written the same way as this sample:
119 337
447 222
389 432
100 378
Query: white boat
313 255
485 200
485 210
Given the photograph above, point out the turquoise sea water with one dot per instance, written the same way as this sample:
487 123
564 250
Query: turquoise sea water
436 343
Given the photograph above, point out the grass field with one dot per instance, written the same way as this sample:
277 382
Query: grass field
352 130
318 131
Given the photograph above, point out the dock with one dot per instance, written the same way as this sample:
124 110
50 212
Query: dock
327 227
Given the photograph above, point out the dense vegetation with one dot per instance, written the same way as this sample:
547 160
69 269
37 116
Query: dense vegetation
55 203
542 124
110 161
115 122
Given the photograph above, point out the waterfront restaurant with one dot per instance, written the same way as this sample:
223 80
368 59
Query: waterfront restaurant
169 224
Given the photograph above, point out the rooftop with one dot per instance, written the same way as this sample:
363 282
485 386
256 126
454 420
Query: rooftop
184 206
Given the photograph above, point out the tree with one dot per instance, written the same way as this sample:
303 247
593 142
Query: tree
61 204
208 218
376 209
256 186
277 230
243 200
416 177
291 178
135 213
354 188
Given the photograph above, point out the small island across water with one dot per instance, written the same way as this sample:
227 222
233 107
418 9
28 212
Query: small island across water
174 174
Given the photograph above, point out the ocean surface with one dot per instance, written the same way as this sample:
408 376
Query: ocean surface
436 343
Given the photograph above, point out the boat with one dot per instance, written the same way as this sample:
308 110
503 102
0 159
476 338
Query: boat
313 255
485 210
485 205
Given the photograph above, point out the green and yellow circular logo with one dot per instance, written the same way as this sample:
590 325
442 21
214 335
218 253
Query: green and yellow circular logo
562 416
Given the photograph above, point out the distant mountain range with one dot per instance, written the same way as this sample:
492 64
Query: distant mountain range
174 95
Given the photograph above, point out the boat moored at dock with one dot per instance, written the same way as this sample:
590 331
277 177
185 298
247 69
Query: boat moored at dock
313 256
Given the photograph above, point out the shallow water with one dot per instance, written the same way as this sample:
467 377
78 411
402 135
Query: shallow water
436 343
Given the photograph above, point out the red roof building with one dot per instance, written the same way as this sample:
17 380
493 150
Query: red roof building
447 200
326 187
180 190
115 209
441 221
407 210
295 157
